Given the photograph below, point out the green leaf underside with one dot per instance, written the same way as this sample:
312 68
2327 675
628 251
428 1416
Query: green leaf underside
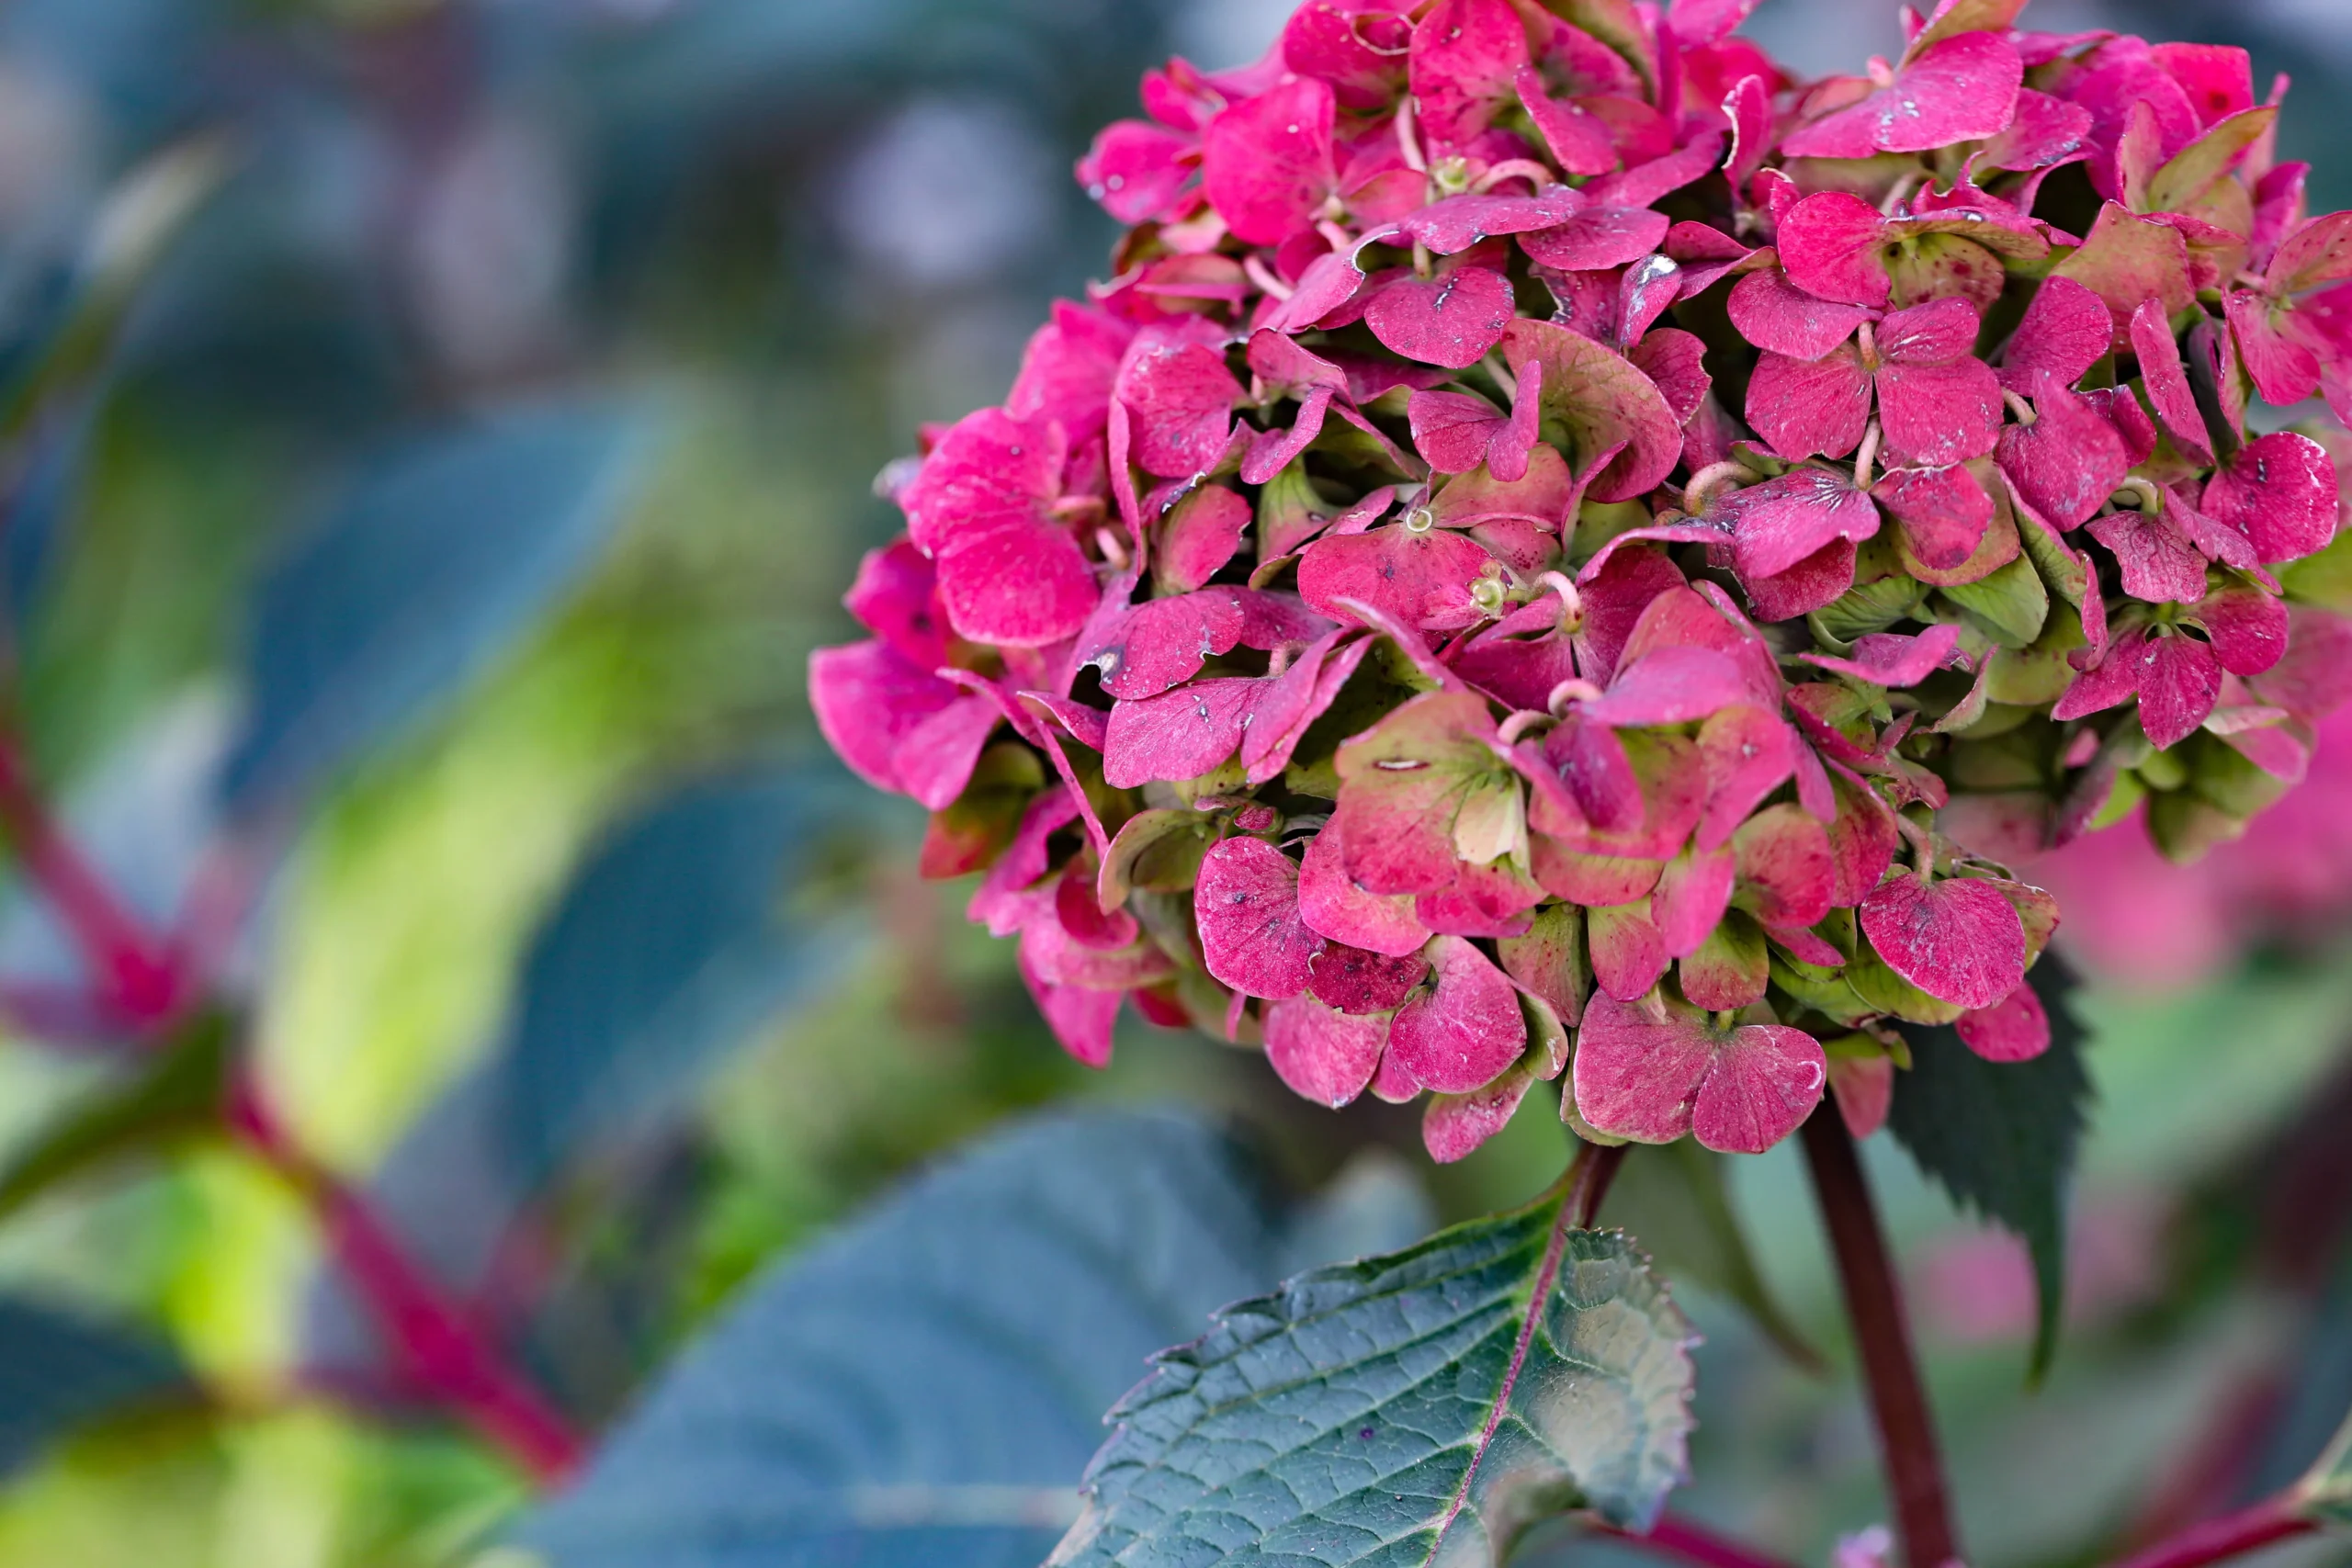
2002 1137
1674 1198
1404 1410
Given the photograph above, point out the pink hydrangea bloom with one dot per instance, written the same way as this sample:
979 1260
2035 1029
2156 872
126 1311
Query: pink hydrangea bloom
1563 556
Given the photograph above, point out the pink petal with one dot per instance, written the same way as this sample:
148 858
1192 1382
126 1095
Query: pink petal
1271 450
1864 839
1943 513
1673 685
1748 753
2014 1028
1628 951
1597 238
2159 563
1180 399
2279 491
1829 243
2168 383
1936 332
1161 643
1246 903
1334 907
1648 183
1958 940
2284 371
1639 1067
2247 626
895 597
2114 680
1884 659
2065 330
2069 460
1548 961
1455 1125
1179 733
1266 162
1466 57
1937 414
1773 313
1580 143
1323 1055
1355 980
1764 1080
1323 39
1450 320
868 698
1815 582
1606 404
1748 107
1806 408
1080 1019
1962 89
1675 361
1135 169
2179 683
2127 261
1068 368
1731 969
1483 900
1465 1028
1421 579
936 757
1451 429
2319 252
1458 222
1783 522
1788 876
1294 700
1864 1087
1693 894
1021 583
1199 534
1003 902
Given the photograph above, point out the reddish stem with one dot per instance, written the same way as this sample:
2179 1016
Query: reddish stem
1906 1431
1680 1539
438 1345
143 985
2232 1535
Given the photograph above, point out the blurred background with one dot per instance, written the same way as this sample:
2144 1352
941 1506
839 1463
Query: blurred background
435 433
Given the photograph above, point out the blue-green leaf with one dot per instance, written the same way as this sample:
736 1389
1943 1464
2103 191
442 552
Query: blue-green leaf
436 560
58 1369
1404 1410
923 1390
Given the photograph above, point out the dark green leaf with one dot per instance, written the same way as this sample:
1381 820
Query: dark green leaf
1404 1409
1674 1198
2001 1137
59 1370
436 560
923 1390
175 1098
679 935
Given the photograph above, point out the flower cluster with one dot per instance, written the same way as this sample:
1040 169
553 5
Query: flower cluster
1563 551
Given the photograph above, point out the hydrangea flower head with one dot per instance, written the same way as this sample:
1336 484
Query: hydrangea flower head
1563 552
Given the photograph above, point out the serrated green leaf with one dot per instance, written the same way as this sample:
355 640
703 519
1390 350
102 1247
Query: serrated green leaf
2002 1137
175 1098
1406 1409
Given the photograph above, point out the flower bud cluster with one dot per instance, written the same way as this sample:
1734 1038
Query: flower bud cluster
1563 551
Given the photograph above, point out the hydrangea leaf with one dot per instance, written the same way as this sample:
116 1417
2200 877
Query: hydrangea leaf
1406 1408
60 1369
2002 1137
920 1389
1675 1197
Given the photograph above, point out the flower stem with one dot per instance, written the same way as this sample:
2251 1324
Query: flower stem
1688 1542
438 1345
2232 1535
1589 1174
1907 1432
124 963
